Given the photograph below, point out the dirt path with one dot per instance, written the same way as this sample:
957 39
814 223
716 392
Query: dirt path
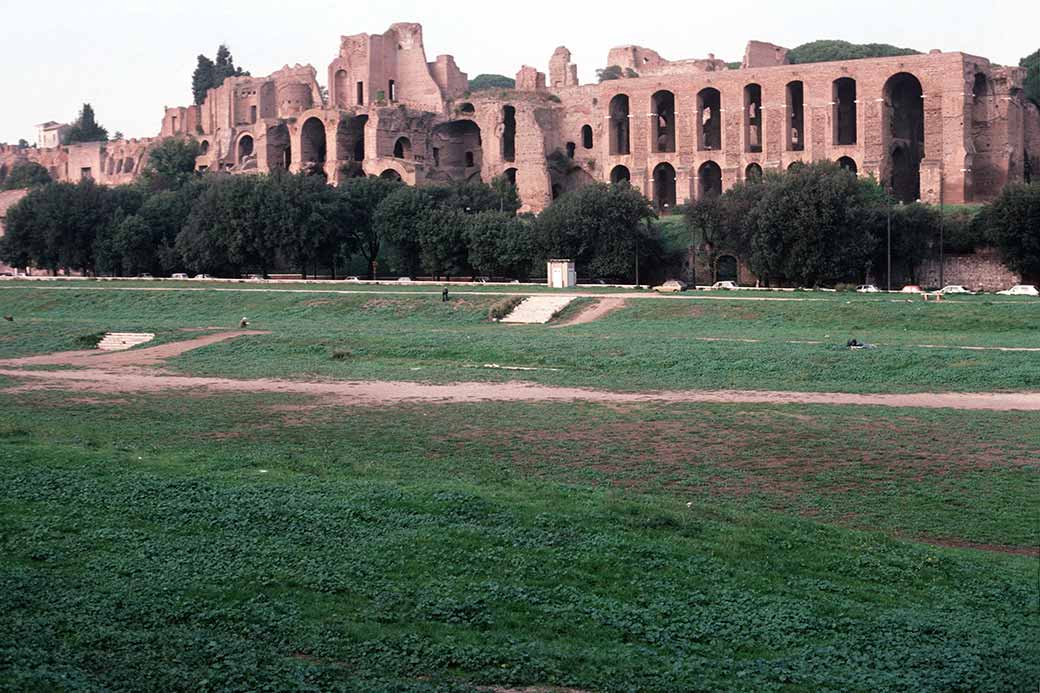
377 393
147 356
595 311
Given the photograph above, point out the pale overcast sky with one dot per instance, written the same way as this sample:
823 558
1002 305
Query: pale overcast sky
129 59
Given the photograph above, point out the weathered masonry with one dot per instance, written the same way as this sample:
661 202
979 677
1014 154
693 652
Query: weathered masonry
941 126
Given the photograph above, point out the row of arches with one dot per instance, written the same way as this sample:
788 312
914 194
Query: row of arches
708 180
902 124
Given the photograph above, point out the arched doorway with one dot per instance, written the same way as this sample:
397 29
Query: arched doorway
312 142
664 187
457 149
848 163
508 133
726 269
245 148
279 147
795 166
390 174
709 180
903 128
795 116
843 116
620 174
753 118
753 173
350 139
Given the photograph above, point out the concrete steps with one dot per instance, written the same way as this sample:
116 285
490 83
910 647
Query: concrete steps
536 310
119 341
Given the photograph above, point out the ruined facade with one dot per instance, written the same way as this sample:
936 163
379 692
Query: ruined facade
945 127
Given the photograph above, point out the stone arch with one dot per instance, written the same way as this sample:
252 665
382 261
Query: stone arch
709 120
843 96
849 164
984 181
709 180
620 144
508 133
128 165
390 174
795 129
795 166
457 150
403 148
586 136
313 145
753 118
753 173
466 108
279 147
903 132
204 147
244 148
510 175
664 187
620 174
662 108
726 268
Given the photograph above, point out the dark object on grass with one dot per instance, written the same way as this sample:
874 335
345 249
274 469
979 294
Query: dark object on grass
243 322
9 318
444 295
856 344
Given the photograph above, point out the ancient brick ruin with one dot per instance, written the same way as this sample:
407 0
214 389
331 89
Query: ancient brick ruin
941 126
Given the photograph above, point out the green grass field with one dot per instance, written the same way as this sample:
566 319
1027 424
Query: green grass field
218 542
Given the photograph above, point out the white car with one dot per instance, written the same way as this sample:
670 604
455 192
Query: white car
867 289
911 289
1020 290
203 276
351 279
178 275
404 280
954 289
724 286
671 286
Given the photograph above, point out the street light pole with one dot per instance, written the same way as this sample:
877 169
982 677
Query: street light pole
942 226
888 275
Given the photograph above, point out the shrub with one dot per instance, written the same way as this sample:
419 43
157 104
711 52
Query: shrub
504 307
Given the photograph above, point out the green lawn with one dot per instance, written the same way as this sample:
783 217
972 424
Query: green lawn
223 543
650 344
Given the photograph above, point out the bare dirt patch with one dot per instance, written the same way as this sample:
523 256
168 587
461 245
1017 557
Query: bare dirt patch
594 311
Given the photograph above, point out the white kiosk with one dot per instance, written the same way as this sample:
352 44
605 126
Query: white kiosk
561 274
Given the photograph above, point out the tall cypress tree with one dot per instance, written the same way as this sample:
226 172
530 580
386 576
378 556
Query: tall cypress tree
209 74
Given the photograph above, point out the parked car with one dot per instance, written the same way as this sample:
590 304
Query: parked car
203 276
867 289
954 289
1020 290
178 275
911 289
724 286
145 276
256 277
404 280
671 286
351 279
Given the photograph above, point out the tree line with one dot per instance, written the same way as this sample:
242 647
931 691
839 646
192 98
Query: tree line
172 219
822 225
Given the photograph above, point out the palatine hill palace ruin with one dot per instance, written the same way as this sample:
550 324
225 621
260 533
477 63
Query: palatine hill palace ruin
937 126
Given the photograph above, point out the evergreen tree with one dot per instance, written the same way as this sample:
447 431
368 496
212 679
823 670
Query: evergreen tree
86 128
209 74
202 79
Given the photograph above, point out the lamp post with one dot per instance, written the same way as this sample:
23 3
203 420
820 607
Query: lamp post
888 274
942 225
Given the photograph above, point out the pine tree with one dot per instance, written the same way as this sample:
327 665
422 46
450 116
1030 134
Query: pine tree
86 128
202 79
210 75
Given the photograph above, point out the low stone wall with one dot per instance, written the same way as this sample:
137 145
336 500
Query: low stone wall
979 271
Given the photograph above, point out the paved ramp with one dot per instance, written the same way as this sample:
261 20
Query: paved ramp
537 310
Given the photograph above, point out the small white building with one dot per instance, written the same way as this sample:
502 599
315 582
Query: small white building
50 134
561 274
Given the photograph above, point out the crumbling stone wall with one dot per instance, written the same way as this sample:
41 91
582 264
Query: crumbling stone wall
979 271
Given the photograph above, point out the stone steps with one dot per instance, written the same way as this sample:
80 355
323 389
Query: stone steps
537 310
120 341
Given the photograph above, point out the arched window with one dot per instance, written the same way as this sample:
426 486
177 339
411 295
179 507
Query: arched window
466 108
586 136
508 134
620 174
795 166
664 187
510 174
403 148
709 120
619 126
753 118
204 147
390 174
753 173
843 93
570 150
795 116
662 106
